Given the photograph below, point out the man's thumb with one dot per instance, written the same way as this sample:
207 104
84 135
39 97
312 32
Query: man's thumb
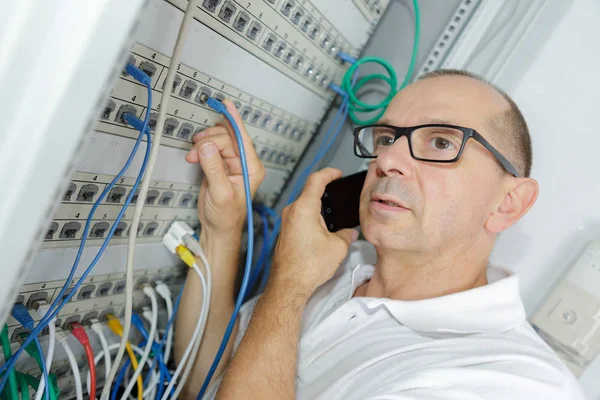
348 235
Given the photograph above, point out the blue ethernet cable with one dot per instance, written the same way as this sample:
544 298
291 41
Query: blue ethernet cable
328 141
20 313
54 309
122 371
220 108
257 268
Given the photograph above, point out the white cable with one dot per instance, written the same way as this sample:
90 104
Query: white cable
183 30
97 327
206 304
196 337
165 293
98 357
149 292
62 338
42 310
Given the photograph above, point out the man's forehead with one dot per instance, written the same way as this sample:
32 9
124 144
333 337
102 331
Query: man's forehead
452 100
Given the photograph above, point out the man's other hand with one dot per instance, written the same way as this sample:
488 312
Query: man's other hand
221 202
307 254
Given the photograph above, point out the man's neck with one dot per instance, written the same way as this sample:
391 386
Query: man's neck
404 276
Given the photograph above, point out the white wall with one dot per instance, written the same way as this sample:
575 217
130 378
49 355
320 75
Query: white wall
560 97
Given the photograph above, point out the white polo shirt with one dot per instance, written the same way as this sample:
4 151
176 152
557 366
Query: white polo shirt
474 344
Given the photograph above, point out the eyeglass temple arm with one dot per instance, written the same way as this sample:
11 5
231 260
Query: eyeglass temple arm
505 163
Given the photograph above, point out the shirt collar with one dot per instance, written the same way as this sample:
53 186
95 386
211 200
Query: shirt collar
495 307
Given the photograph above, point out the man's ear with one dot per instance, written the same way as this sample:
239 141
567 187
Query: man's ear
520 197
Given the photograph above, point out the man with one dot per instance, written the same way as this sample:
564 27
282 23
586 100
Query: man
430 319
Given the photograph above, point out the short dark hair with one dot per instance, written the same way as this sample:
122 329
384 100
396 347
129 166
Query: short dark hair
510 126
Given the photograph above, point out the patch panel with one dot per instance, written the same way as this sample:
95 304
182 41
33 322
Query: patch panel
188 105
256 26
309 22
165 202
189 114
372 9
90 302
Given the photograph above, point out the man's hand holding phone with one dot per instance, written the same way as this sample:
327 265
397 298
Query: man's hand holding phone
307 254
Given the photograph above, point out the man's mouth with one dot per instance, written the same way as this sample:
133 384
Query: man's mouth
388 201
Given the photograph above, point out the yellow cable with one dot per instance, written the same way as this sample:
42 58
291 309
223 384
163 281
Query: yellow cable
115 326
186 255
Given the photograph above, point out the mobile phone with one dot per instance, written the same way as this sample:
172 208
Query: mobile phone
341 201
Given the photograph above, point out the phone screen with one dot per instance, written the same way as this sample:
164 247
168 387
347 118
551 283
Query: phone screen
341 201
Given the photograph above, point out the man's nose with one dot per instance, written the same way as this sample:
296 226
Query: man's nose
396 160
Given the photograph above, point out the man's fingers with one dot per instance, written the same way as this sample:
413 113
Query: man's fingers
219 186
210 131
221 140
316 182
246 140
348 235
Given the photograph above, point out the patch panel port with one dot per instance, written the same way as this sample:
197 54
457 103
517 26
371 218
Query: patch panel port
254 30
186 200
116 194
171 125
269 42
70 191
140 282
125 108
152 121
298 63
185 132
203 95
314 32
51 231
87 192
297 16
289 55
219 96
211 5
86 292
120 229
69 230
188 89
256 116
148 68
246 111
166 198
152 196
139 229
108 109
104 289
306 24
151 229
99 229
287 7
70 321
176 83
227 11
241 21
34 299
88 317
281 46
119 287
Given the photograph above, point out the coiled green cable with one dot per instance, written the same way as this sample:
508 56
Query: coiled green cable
392 80
12 379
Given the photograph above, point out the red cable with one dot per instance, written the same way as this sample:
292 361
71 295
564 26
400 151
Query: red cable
80 334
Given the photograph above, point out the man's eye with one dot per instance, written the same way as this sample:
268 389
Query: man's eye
384 141
440 143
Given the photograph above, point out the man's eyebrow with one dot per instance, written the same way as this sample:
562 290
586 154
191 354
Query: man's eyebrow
422 121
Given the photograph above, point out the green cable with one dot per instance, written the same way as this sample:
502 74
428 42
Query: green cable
12 378
391 80
32 350
24 386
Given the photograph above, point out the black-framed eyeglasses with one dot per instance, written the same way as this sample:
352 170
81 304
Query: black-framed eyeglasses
433 142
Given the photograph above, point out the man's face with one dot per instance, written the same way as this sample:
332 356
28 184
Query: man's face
426 207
